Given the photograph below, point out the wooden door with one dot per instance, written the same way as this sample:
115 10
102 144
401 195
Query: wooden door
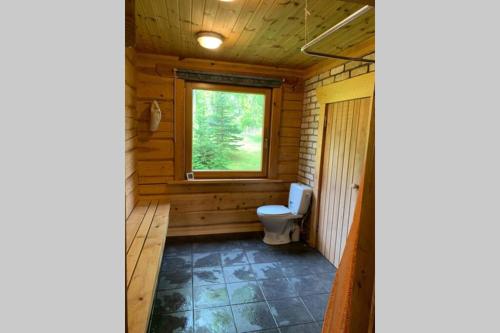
344 146
345 109
351 305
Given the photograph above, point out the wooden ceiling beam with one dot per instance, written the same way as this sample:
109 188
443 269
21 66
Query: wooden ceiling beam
164 65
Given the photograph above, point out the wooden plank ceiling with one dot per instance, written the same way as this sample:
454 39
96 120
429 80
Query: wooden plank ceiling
264 32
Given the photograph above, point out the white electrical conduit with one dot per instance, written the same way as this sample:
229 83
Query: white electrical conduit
327 33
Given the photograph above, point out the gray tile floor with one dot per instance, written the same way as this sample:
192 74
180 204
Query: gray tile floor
240 285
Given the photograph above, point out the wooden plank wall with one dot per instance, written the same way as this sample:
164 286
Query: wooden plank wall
289 136
208 208
131 177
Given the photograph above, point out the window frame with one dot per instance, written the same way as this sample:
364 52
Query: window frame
227 174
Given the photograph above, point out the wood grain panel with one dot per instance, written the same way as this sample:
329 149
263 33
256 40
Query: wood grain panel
134 221
206 218
165 131
180 123
129 23
328 158
130 165
292 105
351 302
159 91
212 188
131 184
264 32
215 229
291 141
336 185
344 185
131 177
155 179
277 101
135 249
165 128
288 167
353 169
224 201
291 119
145 233
343 155
290 132
155 168
155 150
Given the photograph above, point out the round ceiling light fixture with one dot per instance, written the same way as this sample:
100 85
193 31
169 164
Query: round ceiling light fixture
209 40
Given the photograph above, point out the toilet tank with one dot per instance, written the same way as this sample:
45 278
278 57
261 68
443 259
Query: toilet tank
299 198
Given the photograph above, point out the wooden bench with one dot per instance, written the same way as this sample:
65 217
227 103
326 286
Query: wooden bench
145 233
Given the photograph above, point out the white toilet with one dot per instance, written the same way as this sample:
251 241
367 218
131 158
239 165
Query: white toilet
280 221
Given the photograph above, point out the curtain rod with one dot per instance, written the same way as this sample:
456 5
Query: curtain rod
328 32
228 78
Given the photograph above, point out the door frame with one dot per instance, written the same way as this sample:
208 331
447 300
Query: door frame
358 87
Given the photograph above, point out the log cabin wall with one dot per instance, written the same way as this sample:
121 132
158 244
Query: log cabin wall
317 76
210 207
131 177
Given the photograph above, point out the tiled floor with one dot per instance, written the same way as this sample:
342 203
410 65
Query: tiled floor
240 285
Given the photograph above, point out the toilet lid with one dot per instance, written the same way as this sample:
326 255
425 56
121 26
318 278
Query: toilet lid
273 210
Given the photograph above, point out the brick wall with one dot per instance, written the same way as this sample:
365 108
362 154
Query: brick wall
310 113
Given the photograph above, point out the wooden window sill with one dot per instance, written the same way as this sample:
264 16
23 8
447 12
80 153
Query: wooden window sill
225 181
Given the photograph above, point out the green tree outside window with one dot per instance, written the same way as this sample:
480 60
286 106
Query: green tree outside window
227 130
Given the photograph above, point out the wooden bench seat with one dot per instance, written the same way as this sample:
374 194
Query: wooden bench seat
145 233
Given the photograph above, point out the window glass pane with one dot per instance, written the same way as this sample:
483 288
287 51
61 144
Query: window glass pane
227 130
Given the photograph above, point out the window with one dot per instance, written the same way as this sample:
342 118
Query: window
227 132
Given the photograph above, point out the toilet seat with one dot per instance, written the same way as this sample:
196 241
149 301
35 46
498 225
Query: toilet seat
277 211
273 210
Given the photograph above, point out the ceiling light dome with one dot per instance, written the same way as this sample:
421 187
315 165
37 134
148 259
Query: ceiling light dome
209 40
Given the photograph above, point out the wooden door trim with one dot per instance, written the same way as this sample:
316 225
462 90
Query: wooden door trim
359 87
274 135
179 121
